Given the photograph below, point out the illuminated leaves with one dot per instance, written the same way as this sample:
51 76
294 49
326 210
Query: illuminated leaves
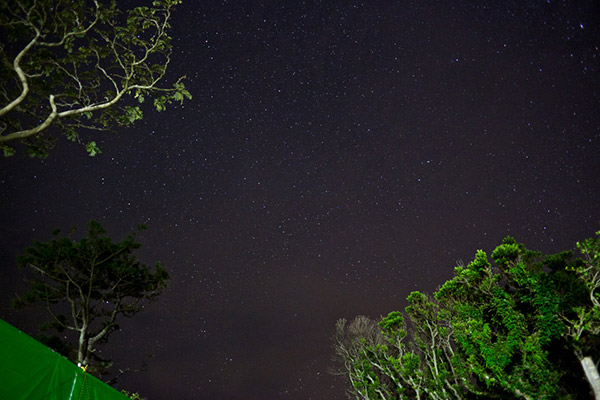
514 329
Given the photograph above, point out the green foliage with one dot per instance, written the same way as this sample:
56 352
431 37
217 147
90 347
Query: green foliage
70 66
86 284
92 149
513 330
396 364
179 94
132 396
7 150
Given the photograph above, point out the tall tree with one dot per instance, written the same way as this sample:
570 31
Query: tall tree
516 329
68 66
86 285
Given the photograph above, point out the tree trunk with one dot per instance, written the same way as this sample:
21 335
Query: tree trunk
82 353
591 373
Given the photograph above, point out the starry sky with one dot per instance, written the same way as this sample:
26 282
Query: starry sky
336 156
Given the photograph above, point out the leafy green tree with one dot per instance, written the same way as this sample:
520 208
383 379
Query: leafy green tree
513 330
396 360
86 285
506 319
68 66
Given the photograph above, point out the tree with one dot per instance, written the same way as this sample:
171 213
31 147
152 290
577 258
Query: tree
86 285
513 330
68 66
506 320
387 361
354 345
587 321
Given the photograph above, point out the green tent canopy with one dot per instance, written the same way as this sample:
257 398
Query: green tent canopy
29 370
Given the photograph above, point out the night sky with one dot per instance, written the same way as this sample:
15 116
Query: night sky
336 156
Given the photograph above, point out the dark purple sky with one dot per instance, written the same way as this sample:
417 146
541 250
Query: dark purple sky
336 156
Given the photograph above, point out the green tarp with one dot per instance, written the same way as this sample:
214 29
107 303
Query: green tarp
29 370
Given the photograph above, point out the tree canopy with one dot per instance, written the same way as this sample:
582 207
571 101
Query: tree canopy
71 66
86 285
525 327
